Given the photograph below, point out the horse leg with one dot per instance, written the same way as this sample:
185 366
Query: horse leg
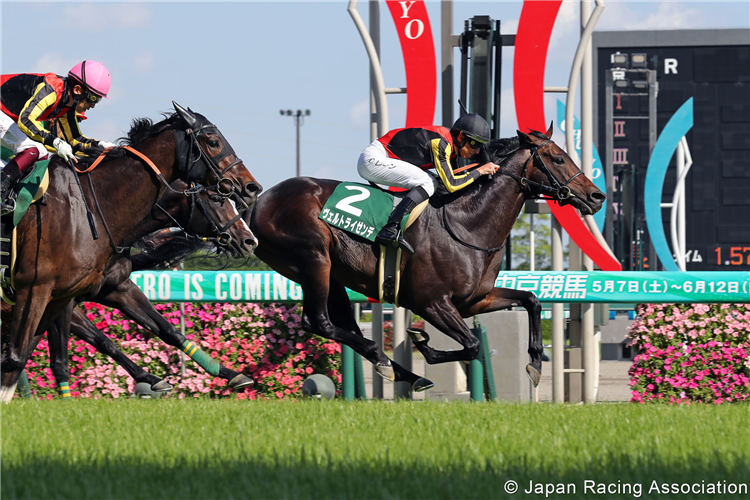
85 330
505 298
444 316
57 337
129 299
17 380
20 379
339 310
316 289
27 315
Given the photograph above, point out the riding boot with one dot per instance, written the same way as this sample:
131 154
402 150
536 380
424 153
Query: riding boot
12 173
391 234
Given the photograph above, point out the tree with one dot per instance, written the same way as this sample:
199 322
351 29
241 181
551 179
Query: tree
521 260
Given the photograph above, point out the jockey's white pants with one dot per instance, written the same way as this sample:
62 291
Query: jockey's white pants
376 166
13 139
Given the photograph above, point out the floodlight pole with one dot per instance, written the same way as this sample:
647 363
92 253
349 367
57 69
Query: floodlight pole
298 119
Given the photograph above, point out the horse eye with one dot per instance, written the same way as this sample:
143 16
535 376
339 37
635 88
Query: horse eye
213 143
559 160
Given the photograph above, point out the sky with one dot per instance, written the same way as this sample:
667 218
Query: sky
240 63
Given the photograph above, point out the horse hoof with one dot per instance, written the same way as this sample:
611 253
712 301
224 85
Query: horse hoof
386 371
416 335
422 384
161 386
533 374
240 382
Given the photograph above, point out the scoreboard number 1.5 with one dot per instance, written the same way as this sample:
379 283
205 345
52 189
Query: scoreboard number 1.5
738 256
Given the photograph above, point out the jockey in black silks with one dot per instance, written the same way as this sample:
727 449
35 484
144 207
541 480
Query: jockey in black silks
402 157
28 100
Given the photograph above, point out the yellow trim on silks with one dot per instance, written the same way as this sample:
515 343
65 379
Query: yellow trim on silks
440 167
13 239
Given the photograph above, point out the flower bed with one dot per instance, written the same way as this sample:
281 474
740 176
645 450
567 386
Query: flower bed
691 353
264 341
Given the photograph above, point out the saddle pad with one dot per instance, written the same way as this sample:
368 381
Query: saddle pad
30 189
359 209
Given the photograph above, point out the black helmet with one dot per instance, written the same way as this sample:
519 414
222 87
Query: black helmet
474 127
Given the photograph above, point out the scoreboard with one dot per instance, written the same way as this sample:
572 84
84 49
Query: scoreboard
713 68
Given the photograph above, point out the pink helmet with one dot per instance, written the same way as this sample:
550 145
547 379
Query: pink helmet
92 75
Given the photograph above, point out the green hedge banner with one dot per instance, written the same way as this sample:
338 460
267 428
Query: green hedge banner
549 286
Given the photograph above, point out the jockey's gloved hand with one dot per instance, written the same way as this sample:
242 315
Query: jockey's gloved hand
105 144
64 150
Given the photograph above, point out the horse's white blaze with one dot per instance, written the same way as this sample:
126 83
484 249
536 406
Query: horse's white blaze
244 224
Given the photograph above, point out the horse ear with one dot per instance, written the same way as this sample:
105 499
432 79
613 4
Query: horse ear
549 130
525 139
185 115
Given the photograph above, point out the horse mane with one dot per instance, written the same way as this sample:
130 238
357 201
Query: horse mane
143 128
140 130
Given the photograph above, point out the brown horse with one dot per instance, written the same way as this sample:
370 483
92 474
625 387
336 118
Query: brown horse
200 219
59 260
452 273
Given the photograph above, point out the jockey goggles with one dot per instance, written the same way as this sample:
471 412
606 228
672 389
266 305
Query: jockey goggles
473 142
92 97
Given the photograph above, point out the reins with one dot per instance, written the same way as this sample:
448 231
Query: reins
223 237
536 190
453 235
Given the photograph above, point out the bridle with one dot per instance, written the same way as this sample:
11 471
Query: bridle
558 191
222 238
225 187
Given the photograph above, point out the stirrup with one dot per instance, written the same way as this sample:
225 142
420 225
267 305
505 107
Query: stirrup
8 206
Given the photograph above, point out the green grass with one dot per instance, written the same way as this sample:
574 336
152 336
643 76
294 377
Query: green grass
239 449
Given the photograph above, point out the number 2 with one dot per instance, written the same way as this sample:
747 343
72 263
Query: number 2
346 203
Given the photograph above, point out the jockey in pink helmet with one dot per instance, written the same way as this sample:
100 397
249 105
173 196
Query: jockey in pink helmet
28 100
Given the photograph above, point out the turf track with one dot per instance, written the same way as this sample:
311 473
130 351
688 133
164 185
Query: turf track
238 449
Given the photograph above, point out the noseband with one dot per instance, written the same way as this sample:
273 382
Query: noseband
557 191
222 238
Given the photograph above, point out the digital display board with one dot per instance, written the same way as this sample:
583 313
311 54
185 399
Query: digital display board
713 68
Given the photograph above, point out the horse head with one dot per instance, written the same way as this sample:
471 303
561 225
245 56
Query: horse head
549 171
210 156
219 222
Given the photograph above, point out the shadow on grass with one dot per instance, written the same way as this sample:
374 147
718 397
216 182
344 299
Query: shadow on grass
51 478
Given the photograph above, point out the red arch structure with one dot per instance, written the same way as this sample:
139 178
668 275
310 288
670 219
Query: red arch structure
532 42
415 34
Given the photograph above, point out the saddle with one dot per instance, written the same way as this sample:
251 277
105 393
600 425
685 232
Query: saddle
27 191
363 210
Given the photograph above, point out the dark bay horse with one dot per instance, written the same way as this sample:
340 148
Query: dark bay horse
200 219
58 259
452 273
